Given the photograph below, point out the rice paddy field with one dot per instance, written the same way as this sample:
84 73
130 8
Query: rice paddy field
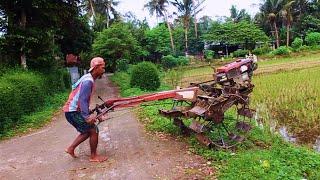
266 66
290 99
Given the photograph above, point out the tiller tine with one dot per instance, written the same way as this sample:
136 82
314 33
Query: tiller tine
170 113
203 139
197 127
245 127
184 129
246 112
197 110
236 138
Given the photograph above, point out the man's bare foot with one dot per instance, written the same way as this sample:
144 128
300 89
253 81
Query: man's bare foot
71 152
98 158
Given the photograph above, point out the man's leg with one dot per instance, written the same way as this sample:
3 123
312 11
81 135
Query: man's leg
93 146
76 142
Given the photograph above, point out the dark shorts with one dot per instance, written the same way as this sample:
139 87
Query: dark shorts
77 121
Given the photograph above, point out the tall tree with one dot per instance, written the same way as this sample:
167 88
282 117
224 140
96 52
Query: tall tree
34 30
159 7
115 43
271 10
287 16
187 9
110 8
101 11
237 15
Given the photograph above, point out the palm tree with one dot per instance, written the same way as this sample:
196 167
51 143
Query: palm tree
287 15
105 8
159 7
187 10
272 8
110 10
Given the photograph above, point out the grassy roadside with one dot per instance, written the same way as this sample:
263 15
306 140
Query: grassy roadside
262 156
39 118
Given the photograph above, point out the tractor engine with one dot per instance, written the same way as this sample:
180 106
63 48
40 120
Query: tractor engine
237 73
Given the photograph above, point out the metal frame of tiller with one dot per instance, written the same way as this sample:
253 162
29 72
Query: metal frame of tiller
205 105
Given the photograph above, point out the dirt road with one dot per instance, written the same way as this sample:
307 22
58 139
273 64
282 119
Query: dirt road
132 153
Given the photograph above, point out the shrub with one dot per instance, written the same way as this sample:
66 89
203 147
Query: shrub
297 43
145 76
122 65
21 93
313 39
54 81
240 53
262 50
208 54
182 61
169 62
282 50
303 48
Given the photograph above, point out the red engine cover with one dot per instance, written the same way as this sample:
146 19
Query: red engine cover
237 64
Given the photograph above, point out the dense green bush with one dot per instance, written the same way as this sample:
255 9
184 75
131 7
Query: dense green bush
20 93
54 81
169 61
145 76
208 54
282 50
262 50
240 53
297 43
23 92
122 64
313 39
303 48
182 61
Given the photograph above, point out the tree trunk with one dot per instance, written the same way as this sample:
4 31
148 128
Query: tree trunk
108 18
195 21
186 40
277 34
92 9
170 33
23 22
288 34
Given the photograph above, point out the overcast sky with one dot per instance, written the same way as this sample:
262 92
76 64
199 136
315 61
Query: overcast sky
212 8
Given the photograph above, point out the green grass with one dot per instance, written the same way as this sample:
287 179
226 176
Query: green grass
37 119
261 156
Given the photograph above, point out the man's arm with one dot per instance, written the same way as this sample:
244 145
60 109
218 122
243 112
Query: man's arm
84 98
